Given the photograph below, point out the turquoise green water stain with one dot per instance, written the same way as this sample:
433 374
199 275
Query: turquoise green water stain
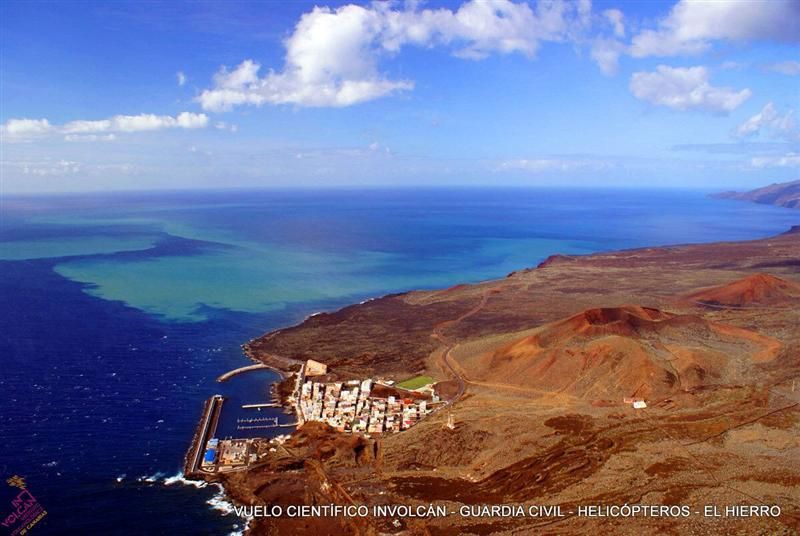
248 280
16 250
257 277
249 277
260 278
258 252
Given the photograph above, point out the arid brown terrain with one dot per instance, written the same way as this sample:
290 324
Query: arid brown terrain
539 364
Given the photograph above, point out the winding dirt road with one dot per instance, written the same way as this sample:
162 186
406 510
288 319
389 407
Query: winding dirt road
438 334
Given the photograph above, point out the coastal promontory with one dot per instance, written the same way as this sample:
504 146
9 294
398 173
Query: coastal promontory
784 194
663 375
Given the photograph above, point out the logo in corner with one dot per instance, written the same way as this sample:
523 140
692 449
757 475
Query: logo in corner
16 482
23 512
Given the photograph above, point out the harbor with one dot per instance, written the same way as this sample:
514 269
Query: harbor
245 424
239 425
262 423
250 407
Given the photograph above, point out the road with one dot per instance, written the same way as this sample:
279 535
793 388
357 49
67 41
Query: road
438 334
450 365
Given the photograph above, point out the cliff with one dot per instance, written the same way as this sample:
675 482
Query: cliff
785 194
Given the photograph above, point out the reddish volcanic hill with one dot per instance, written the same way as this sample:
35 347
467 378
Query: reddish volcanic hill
626 351
756 289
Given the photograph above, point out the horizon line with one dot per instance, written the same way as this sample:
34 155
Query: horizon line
360 188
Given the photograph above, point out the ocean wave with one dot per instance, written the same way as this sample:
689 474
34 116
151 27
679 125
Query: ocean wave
151 479
219 501
239 531
181 479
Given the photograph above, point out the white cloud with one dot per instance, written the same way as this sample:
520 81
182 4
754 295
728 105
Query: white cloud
292 88
542 165
789 68
617 21
24 128
181 77
770 121
478 28
332 56
82 130
148 122
90 137
47 168
330 61
731 65
685 88
606 49
692 25
245 74
82 126
222 125
606 53
790 160
377 148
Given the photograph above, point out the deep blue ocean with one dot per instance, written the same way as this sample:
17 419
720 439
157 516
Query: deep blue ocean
118 311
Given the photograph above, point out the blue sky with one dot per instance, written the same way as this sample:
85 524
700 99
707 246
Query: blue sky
115 95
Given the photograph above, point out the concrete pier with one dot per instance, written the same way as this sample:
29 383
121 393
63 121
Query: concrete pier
205 431
231 373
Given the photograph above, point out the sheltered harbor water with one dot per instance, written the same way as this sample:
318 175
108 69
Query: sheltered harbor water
248 389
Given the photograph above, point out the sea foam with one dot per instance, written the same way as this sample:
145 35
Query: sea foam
181 479
219 501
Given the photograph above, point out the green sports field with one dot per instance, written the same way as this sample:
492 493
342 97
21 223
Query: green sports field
415 383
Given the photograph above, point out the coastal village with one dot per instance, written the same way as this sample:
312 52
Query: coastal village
357 405
350 407
366 406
